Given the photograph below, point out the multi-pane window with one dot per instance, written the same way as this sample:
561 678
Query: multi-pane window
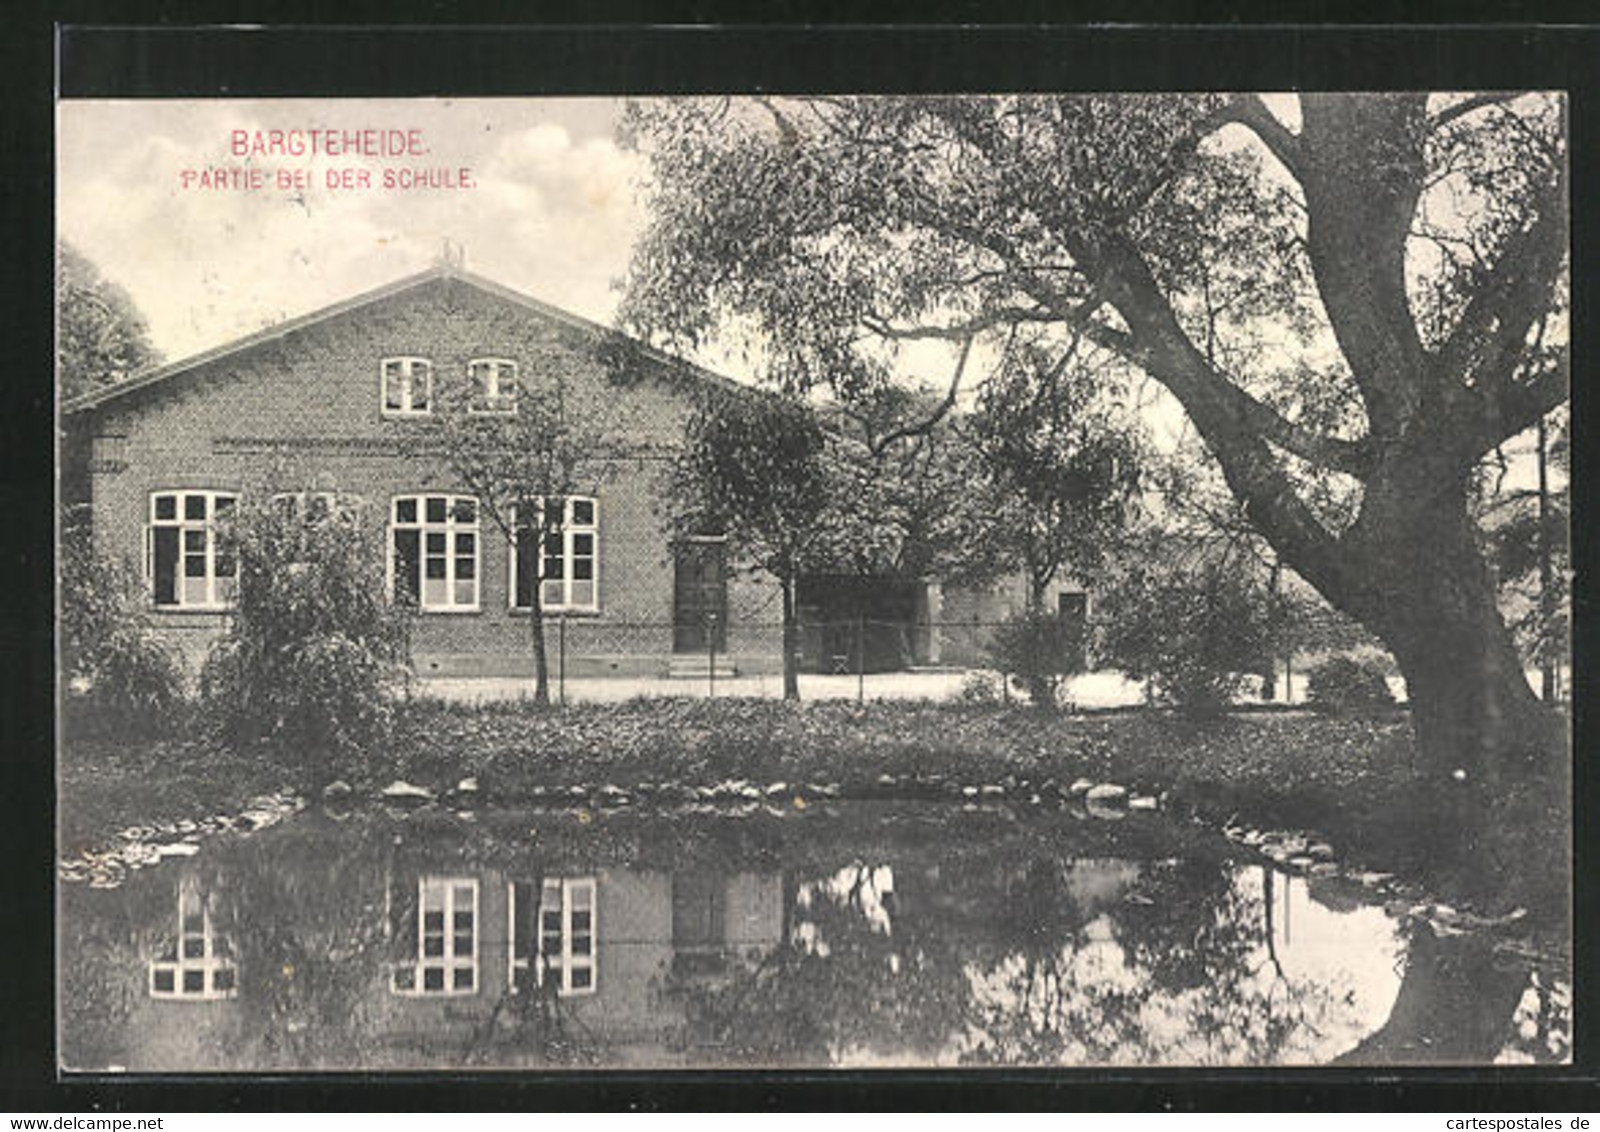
494 385
189 563
433 550
407 386
553 934
445 931
197 962
567 566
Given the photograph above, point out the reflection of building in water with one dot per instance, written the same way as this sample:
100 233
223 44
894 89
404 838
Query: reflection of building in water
197 962
460 960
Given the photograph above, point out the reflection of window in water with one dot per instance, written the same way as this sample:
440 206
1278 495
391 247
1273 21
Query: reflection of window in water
444 934
555 935
197 963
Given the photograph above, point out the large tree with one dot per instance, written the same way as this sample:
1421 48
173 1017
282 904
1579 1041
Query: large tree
1406 253
101 337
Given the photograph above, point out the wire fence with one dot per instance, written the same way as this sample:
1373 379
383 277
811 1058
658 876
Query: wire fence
710 650
865 656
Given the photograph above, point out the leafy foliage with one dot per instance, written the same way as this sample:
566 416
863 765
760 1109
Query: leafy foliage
101 336
760 470
1348 684
1191 629
553 444
127 674
315 651
1060 468
1041 650
1352 298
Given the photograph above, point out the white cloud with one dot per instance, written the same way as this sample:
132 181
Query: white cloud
553 213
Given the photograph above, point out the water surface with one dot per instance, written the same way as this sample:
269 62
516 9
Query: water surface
837 934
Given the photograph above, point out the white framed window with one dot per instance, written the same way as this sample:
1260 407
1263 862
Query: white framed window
554 934
568 564
407 386
197 963
433 551
446 928
494 385
186 562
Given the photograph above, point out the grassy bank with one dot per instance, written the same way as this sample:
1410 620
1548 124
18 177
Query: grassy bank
1350 779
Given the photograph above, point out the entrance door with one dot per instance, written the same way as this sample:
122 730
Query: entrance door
700 596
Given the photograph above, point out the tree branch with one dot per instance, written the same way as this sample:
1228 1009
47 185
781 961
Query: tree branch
1467 106
1251 112
881 445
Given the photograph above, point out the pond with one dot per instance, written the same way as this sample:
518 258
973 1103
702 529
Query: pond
829 934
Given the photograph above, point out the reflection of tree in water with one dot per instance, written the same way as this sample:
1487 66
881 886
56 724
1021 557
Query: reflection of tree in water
1181 971
1461 1001
311 936
100 977
855 979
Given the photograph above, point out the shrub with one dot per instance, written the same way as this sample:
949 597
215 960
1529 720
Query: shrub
980 688
1041 651
1347 684
112 661
1190 634
315 651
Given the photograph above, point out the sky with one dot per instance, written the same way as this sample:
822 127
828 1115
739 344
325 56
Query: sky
551 209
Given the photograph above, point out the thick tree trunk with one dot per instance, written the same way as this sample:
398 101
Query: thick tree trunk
1426 592
791 673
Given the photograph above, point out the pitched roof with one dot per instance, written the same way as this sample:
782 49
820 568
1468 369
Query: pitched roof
162 373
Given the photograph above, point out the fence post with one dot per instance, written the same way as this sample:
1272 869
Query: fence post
711 654
561 656
861 659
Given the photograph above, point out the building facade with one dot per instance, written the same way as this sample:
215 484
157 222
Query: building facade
325 405
327 409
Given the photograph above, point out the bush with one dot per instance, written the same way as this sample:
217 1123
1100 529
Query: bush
1190 633
1041 651
112 661
315 652
980 688
1348 685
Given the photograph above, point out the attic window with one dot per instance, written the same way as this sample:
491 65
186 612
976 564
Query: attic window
407 386
494 385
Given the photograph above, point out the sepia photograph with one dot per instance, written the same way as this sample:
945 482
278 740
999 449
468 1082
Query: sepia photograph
813 581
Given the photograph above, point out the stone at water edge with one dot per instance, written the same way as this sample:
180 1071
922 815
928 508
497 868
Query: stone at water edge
400 791
1106 792
1104 812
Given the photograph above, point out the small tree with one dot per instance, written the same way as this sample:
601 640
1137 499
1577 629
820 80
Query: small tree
1061 471
524 445
314 650
1190 627
109 653
757 469
1041 650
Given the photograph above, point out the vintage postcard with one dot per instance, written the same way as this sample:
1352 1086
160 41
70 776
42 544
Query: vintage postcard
1029 580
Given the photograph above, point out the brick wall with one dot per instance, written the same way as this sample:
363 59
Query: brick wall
303 410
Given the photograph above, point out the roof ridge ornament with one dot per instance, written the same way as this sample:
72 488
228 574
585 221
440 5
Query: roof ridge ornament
451 256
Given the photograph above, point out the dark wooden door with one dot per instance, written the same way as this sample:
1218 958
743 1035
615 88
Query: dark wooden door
700 597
